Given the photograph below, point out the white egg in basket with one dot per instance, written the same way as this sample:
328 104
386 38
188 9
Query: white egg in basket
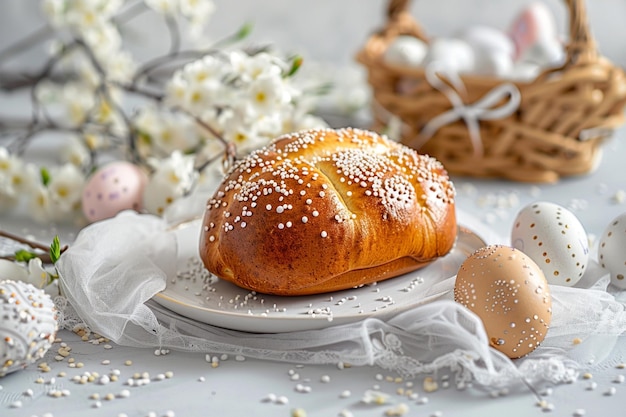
555 239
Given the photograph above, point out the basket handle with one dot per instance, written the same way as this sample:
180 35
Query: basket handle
400 21
396 8
581 45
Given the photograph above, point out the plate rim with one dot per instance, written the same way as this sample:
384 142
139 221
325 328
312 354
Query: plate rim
168 301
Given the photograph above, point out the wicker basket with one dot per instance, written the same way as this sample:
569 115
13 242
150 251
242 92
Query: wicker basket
557 130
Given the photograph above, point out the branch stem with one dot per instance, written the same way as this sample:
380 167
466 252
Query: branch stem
23 44
23 241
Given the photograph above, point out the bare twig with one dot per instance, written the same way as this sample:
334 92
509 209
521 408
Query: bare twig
30 243
188 54
41 121
44 256
174 30
230 149
25 43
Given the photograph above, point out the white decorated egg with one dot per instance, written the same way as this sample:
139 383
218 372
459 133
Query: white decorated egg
115 187
555 239
524 71
493 50
509 293
450 55
28 325
406 50
612 251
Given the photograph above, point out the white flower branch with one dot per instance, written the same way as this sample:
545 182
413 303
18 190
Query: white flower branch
197 106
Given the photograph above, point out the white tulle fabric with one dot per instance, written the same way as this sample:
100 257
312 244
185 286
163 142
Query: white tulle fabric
114 268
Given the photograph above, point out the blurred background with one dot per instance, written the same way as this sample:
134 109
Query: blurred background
332 31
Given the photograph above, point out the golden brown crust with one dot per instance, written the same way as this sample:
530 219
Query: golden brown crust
324 210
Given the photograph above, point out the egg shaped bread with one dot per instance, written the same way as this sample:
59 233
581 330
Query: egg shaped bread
324 210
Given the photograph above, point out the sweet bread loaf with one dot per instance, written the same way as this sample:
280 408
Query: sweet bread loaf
324 210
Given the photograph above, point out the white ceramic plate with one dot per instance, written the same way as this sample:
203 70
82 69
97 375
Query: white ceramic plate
193 294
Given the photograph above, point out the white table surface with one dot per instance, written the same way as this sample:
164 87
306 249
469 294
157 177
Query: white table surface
241 388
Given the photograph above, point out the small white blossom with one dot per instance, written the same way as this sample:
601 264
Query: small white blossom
120 66
176 90
59 199
197 11
207 68
246 99
243 135
34 273
39 204
13 271
78 100
37 274
11 173
78 14
267 93
173 178
166 7
75 152
95 141
250 68
16 179
66 187
166 131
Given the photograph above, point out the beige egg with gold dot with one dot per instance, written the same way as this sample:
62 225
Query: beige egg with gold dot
509 293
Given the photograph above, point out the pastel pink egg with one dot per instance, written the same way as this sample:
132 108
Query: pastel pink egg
115 187
535 35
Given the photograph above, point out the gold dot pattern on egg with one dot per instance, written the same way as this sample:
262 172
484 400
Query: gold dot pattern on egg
509 293
554 238
611 254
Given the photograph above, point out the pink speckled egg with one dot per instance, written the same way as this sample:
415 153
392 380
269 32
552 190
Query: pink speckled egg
115 187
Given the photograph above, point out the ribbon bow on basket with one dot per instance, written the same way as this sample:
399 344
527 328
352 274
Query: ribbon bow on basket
486 108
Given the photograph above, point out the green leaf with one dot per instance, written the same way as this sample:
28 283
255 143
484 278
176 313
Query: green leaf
45 176
23 255
55 250
244 31
296 63
321 89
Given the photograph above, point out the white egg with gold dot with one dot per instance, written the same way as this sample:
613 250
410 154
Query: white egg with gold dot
555 239
509 293
28 325
612 250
